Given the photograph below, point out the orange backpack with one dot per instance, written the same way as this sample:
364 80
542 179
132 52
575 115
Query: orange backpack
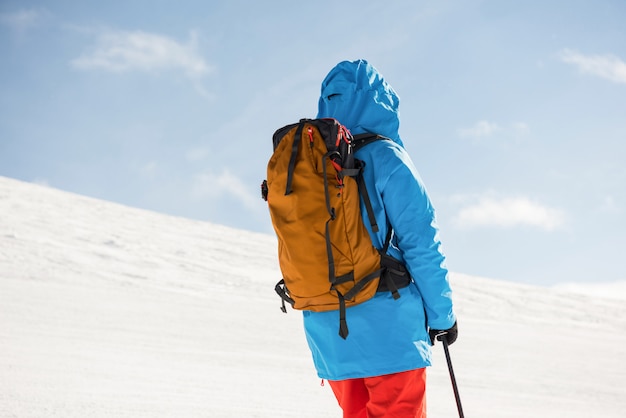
313 189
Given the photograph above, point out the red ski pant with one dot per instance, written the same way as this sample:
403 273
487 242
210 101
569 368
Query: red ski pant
398 395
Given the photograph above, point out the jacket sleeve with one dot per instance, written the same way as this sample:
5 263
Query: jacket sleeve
416 235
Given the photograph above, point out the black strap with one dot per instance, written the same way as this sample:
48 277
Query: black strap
348 277
366 200
329 254
350 172
358 286
391 285
294 155
283 292
389 278
361 140
387 239
331 212
343 323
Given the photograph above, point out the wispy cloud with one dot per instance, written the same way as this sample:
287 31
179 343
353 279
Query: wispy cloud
480 129
520 128
211 185
484 131
606 66
124 51
23 20
509 212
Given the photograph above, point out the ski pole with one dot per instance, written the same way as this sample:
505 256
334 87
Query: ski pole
452 378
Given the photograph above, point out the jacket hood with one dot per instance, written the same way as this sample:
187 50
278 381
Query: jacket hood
356 94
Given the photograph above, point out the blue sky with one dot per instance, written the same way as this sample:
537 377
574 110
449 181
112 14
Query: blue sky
513 112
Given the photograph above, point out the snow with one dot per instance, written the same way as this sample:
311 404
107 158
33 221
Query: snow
613 290
112 311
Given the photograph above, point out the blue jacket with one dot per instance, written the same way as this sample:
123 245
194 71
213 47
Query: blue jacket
386 335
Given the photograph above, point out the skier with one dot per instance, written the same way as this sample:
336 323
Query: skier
379 370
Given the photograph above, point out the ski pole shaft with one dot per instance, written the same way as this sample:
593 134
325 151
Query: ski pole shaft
452 378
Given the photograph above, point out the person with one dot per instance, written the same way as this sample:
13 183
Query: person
379 370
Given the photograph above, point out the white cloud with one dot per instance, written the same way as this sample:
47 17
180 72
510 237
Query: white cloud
23 20
606 66
509 212
210 185
124 51
481 129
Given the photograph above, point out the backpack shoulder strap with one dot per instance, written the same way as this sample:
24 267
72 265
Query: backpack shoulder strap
358 142
366 199
361 140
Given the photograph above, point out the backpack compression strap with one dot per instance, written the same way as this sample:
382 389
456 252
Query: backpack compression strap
294 156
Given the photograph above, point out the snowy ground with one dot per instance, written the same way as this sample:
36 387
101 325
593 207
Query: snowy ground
110 311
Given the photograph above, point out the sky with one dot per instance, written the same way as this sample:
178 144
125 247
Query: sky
513 112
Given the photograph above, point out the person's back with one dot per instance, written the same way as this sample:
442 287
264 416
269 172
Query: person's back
389 344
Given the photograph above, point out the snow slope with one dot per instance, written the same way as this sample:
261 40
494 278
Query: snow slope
111 311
